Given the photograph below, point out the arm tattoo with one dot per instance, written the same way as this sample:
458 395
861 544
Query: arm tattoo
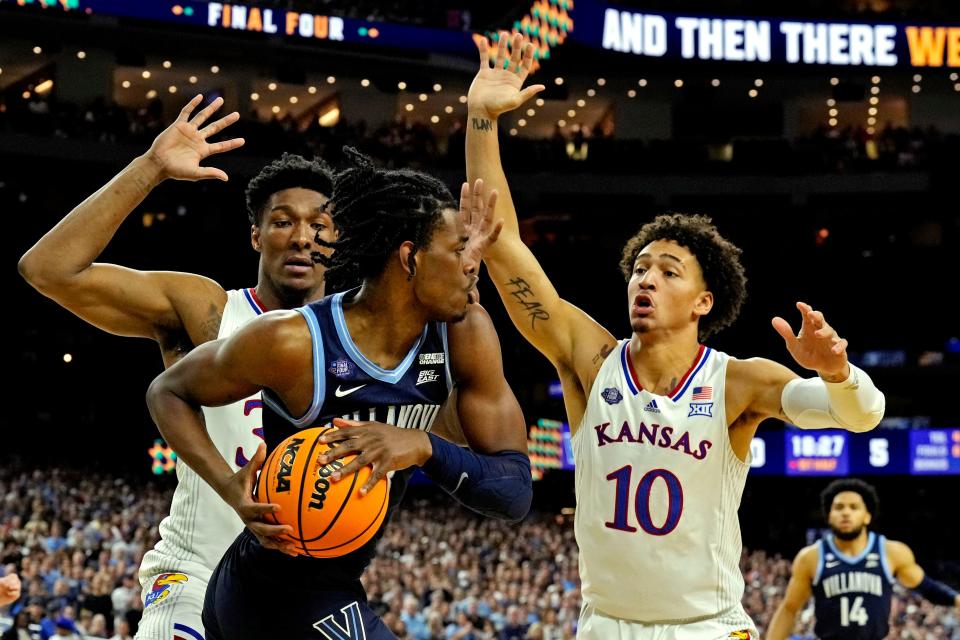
210 328
481 124
521 291
604 352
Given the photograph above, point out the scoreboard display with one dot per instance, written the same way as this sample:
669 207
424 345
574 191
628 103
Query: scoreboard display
796 452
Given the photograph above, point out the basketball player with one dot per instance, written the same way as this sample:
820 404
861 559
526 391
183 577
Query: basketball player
183 310
851 572
661 424
9 589
388 351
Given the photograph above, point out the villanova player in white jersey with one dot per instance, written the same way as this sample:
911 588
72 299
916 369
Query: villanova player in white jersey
181 311
661 423
418 258
851 571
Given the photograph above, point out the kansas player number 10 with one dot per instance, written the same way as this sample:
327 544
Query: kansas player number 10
642 502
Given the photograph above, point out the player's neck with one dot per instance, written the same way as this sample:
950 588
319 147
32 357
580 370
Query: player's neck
383 324
660 362
273 299
852 548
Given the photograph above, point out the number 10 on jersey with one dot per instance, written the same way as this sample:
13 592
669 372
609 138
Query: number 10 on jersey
641 507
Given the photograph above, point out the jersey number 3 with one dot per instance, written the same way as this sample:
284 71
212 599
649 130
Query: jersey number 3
621 517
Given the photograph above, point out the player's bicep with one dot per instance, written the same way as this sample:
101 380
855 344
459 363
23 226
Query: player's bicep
133 303
903 564
757 388
487 410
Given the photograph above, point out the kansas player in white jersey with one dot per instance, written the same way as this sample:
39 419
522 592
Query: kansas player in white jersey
661 423
850 572
181 311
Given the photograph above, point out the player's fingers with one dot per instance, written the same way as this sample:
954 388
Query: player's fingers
349 469
372 481
213 173
219 125
476 204
223 147
265 530
526 64
465 199
530 91
497 228
257 510
483 48
342 450
502 56
344 423
517 51
208 111
491 202
784 329
189 107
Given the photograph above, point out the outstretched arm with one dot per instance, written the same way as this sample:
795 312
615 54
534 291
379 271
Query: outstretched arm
905 569
842 396
117 299
567 336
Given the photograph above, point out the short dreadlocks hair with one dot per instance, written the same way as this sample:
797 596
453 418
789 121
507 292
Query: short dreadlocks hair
866 491
718 257
375 210
289 172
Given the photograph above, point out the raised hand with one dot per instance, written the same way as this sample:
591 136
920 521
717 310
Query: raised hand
497 86
238 493
181 147
817 346
476 209
382 447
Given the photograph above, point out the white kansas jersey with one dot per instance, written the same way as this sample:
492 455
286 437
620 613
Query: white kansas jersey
201 525
658 487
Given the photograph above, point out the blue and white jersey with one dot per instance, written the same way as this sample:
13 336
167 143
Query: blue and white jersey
346 384
852 595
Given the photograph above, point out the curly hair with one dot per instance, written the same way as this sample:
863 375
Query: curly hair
288 172
375 210
719 261
866 491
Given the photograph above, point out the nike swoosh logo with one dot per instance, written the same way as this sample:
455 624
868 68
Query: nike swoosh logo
831 565
463 476
345 392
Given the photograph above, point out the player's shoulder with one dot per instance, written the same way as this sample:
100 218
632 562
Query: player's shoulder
756 371
807 559
897 552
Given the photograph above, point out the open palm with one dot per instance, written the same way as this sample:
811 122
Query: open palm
180 148
497 87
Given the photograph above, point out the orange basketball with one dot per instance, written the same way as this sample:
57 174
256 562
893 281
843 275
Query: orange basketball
329 519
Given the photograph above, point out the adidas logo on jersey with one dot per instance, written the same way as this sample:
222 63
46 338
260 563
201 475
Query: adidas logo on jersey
652 407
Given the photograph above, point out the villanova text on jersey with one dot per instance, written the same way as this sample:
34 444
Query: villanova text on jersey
347 384
852 595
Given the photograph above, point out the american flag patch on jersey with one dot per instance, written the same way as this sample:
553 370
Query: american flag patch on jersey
702 393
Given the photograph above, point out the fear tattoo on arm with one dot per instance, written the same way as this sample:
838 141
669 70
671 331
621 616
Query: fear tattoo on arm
524 296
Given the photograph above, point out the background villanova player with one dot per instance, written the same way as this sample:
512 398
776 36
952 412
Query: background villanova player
851 572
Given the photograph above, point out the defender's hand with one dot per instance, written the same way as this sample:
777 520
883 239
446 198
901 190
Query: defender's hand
180 148
476 209
817 346
497 89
